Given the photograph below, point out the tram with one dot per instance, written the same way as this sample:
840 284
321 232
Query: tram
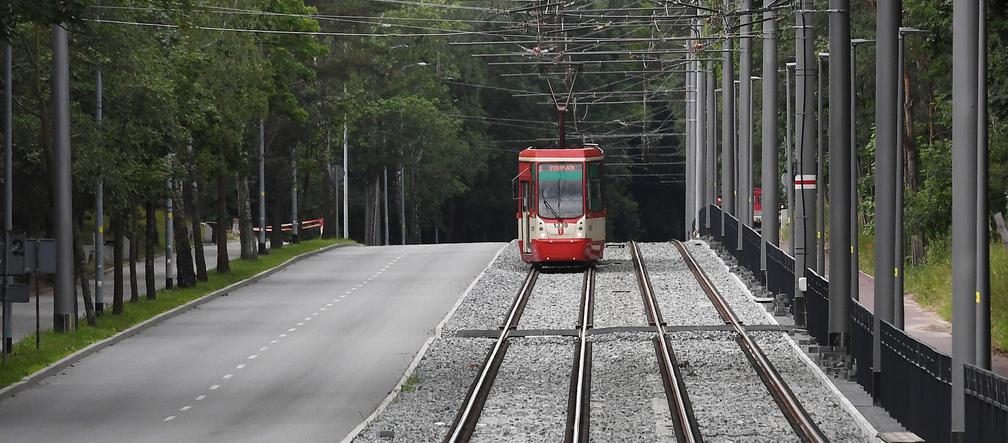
561 217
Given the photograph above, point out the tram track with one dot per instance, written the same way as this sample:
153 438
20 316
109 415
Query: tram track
686 428
579 399
465 421
790 406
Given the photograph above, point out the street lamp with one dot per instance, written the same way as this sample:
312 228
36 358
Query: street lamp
820 183
900 177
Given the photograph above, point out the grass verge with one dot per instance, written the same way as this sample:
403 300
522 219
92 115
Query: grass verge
26 360
931 282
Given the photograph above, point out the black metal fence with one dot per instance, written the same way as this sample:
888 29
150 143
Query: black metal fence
914 384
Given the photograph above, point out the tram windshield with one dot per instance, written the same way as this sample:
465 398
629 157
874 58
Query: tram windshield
561 190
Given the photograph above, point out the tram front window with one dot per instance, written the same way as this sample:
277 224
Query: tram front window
561 190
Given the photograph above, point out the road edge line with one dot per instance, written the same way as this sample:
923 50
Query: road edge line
34 378
420 354
865 426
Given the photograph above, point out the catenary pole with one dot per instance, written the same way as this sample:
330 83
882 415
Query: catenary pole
886 83
805 150
385 203
63 313
262 185
699 198
346 180
983 331
745 196
898 260
711 158
840 175
402 206
965 17
690 147
99 244
789 156
295 218
820 265
169 237
727 131
769 173
855 230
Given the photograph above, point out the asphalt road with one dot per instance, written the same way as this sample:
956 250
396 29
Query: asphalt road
303 355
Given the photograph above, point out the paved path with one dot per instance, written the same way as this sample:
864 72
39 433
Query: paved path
24 313
919 322
302 355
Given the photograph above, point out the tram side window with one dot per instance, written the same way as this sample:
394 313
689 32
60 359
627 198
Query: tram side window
594 186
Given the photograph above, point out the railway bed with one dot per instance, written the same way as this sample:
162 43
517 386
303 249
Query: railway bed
532 393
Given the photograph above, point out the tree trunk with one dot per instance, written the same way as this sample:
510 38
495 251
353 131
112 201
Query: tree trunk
331 229
78 255
276 217
134 284
185 276
192 204
150 240
117 261
223 261
248 240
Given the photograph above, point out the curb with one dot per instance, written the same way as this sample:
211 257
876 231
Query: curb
36 377
423 350
867 429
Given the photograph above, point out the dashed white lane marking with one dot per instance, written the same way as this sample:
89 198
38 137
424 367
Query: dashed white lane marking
292 330
307 318
241 366
185 408
200 397
169 418
328 304
263 348
323 309
253 356
339 300
214 387
227 376
314 314
300 323
282 335
273 342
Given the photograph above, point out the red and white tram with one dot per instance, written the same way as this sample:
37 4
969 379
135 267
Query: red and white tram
560 214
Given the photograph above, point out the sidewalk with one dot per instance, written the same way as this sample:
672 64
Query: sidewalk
24 313
918 322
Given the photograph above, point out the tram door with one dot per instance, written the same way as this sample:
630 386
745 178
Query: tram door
526 225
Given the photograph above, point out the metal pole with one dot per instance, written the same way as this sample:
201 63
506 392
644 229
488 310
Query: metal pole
769 172
711 158
820 159
983 334
805 147
745 118
887 33
965 17
346 181
63 314
839 183
169 238
900 182
262 185
789 155
99 243
690 149
295 218
385 203
727 132
8 126
402 205
699 198
855 230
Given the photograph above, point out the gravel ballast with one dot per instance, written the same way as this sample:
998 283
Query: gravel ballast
748 311
617 295
628 400
680 298
555 302
488 302
440 384
528 401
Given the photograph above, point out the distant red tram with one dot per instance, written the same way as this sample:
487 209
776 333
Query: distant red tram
561 217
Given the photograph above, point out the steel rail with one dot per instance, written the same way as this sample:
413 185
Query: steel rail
579 401
789 404
465 421
686 428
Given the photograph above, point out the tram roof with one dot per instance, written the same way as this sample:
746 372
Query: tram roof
588 152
